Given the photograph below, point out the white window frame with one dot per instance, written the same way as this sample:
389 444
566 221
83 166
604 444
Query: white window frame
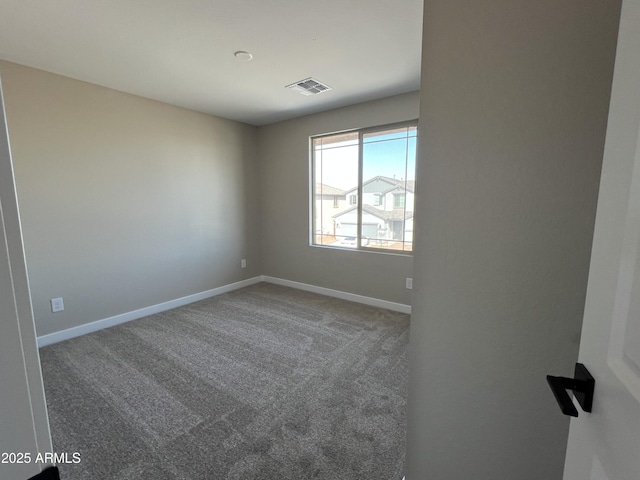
358 194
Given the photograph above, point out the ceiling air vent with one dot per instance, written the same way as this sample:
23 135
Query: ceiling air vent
309 86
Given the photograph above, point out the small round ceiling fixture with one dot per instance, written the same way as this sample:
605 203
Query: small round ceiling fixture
243 56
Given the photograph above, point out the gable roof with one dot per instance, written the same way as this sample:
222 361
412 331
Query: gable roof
409 185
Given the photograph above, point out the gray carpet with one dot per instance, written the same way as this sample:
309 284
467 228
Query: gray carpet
266 382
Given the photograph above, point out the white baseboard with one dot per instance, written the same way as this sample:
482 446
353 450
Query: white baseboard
374 302
73 332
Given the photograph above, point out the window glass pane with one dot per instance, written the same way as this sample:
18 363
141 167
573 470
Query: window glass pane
335 162
383 217
388 179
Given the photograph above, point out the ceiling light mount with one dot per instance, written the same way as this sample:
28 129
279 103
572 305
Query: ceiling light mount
243 56
309 86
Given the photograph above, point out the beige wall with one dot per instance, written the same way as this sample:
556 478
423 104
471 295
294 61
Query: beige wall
513 117
126 202
284 167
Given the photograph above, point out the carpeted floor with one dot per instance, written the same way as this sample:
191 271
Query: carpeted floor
266 382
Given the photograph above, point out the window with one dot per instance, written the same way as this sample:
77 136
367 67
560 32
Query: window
336 201
374 170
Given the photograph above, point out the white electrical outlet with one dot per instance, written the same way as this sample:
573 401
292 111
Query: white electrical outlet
409 283
57 304
243 263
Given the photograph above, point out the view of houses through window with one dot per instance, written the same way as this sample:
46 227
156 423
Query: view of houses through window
363 188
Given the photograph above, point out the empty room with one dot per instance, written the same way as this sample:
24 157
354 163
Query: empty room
300 240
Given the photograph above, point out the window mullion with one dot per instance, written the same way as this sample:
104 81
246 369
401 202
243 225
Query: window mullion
360 181
313 207
406 192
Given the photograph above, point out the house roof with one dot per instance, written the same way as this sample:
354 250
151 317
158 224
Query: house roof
410 185
324 189
396 214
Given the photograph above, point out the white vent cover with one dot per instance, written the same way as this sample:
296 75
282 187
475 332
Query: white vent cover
309 86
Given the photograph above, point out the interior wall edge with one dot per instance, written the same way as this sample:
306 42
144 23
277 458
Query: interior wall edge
77 331
352 297
73 332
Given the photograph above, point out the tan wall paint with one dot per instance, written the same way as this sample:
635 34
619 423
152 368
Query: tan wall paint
126 202
513 116
284 166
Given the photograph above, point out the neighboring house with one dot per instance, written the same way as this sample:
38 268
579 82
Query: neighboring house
387 210
328 201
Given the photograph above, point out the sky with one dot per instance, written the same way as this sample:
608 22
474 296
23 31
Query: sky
392 155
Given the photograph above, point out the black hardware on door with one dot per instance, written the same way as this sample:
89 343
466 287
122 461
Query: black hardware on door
50 473
582 386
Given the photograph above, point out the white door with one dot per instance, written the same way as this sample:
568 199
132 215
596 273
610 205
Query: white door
605 444
24 426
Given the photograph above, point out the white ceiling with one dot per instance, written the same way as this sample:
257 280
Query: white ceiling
181 51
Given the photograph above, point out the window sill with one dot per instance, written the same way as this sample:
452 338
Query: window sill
395 253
